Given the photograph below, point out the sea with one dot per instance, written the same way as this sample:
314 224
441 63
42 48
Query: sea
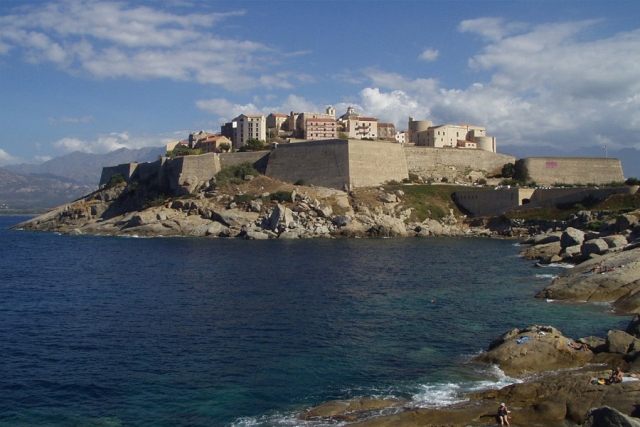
125 331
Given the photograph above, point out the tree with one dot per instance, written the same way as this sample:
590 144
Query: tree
508 170
253 144
224 146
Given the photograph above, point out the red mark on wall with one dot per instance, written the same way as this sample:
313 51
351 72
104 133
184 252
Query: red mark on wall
552 165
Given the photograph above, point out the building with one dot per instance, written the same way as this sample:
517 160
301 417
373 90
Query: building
361 127
320 128
415 127
302 118
277 123
386 131
423 133
247 126
401 137
211 144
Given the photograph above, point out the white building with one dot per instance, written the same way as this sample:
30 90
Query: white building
247 126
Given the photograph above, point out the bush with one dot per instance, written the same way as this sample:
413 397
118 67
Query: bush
406 180
509 181
299 182
242 199
115 180
181 150
594 225
253 144
632 181
482 181
281 196
224 146
444 179
508 170
235 174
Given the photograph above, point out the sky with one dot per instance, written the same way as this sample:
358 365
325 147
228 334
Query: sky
95 76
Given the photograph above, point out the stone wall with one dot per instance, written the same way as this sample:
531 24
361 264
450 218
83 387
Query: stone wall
374 163
181 175
322 163
257 158
483 202
453 163
571 170
126 170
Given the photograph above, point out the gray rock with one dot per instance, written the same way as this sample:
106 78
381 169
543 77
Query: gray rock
634 326
217 229
542 251
323 210
281 217
256 235
626 221
608 417
571 237
621 342
571 251
595 246
616 241
255 206
342 220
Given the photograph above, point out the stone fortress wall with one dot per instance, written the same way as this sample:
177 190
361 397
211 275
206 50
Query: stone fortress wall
571 170
322 163
347 164
453 163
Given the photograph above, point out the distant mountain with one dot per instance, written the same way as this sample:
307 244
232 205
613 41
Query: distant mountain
85 169
18 191
629 157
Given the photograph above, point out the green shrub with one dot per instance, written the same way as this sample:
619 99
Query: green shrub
594 225
579 207
413 176
235 174
115 180
444 179
406 180
281 196
243 199
133 186
632 181
299 182
508 170
482 181
253 144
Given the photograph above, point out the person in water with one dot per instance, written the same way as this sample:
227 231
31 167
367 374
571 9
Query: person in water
503 415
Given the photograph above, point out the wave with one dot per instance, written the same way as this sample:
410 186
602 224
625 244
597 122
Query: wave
554 265
546 276
421 396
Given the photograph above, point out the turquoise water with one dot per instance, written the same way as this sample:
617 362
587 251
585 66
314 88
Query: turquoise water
197 332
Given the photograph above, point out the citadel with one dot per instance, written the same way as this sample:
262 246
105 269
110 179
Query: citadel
354 151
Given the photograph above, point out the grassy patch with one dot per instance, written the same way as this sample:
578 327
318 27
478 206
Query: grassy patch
618 203
429 201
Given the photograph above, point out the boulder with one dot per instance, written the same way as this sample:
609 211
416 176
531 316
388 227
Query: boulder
608 278
616 241
622 343
625 222
387 226
281 218
608 417
533 350
546 250
541 239
634 326
323 210
595 246
571 237
571 251
217 229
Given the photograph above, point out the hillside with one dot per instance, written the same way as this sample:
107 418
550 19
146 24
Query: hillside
84 168
19 192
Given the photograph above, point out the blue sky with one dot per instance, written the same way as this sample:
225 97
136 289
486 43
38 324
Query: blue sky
95 76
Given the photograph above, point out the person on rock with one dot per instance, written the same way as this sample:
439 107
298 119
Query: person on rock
616 376
503 415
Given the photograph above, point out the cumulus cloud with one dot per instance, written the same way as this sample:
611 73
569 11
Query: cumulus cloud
429 55
8 159
549 84
110 39
114 141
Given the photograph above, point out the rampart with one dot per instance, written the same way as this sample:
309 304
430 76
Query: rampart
571 170
126 170
374 163
483 202
453 163
322 163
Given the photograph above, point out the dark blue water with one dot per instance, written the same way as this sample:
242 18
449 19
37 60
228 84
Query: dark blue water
107 331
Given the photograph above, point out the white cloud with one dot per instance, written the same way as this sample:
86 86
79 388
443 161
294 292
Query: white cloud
429 55
74 120
111 40
114 141
550 84
226 110
8 159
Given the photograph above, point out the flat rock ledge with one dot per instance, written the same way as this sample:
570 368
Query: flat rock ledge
557 388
